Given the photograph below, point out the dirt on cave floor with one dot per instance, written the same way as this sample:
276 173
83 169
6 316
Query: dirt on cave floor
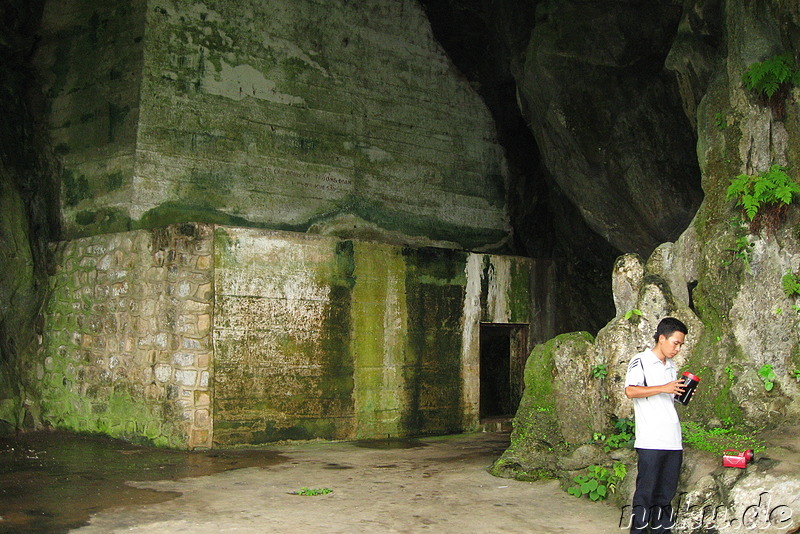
58 482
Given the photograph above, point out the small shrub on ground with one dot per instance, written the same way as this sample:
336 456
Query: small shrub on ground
599 481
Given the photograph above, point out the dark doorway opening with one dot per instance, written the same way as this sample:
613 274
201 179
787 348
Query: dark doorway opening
502 361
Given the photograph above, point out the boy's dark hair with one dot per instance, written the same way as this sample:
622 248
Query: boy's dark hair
668 326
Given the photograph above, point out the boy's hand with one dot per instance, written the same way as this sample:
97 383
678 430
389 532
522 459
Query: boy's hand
675 387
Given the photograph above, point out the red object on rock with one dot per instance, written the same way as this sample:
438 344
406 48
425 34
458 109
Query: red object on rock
734 458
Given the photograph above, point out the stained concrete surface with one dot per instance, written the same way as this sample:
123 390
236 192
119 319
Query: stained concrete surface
437 484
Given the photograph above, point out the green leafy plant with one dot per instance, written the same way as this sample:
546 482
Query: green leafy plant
796 373
716 440
598 481
767 77
767 375
624 425
790 283
635 312
771 80
308 492
600 371
764 196
742 250
622 437
729 373
720 120
598 437
619 441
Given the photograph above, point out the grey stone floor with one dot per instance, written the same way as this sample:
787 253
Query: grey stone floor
427 485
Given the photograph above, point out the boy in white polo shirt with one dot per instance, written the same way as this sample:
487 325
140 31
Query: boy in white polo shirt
651 383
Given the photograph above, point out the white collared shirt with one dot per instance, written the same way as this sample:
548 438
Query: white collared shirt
657 424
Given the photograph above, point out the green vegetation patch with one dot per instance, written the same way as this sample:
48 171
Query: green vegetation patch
76 187
176 212
770 76
599 481
790 282
101 221
309 492
717 440
763 197
772 80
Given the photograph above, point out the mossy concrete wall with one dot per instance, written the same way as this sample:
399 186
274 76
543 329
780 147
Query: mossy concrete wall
343 118
89 60
346 339
195 335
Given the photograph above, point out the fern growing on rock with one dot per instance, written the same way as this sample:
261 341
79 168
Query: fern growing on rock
764 197
771 80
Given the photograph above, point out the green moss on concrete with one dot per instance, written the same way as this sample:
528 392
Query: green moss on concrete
114 181
311 394
424 225
100 221
76 187
336 384
79 393
177 212
116 121
224 257
434 296
113 411
345 265
379 394
520 292
437 266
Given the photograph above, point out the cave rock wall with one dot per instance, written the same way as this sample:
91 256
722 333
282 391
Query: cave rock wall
722 277
341 118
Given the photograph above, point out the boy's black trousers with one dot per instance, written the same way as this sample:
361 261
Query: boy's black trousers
656 484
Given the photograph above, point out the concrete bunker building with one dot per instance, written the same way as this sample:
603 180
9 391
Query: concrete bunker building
276 224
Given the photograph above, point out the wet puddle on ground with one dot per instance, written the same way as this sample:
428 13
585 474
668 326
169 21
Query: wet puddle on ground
54 481
389 443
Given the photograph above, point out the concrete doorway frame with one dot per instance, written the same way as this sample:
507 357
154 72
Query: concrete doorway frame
516 335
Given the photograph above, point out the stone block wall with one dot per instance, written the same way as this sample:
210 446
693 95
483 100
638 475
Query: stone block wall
128 347
196 335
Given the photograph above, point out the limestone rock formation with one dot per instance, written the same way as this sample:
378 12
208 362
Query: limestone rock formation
728 279
598 135
28 194
603 145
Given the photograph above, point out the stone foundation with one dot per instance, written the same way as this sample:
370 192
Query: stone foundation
197 335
